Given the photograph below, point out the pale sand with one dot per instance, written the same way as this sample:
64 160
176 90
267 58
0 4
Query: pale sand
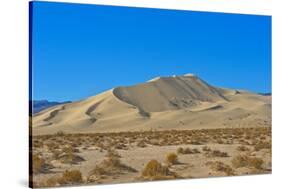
164 103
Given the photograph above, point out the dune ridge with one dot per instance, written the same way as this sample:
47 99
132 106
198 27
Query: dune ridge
164 103
168 93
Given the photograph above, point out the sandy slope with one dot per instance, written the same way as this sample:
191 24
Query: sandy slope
178 102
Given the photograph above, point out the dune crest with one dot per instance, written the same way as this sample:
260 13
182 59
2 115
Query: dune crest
163 103
169 93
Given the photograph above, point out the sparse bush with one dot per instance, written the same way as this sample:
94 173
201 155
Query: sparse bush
242 148
220 141
109 166
256 162
71 177
195 142
121 146
206 149
112 154
155 171
187 151
52 182
60 133
239 161
154 168
220 166
262 145
195 151
172 158
68 156
180 150
217 153
38 164
246 161
141 144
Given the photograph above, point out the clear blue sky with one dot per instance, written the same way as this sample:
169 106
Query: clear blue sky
82 50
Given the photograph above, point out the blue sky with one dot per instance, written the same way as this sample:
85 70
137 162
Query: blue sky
82 50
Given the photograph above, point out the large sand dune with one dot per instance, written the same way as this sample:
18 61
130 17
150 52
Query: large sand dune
178 102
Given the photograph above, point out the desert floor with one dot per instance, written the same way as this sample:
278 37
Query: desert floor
74 159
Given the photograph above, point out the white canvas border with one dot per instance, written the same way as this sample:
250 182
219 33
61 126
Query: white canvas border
258 7
14 99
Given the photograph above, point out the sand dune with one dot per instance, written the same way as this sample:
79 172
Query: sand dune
178 102
168 93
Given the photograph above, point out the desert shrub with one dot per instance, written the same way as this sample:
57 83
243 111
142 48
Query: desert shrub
206 149
180 150
187 151
217 153
112 154
37 144
195 142
38 164
242 148
256 162
220 141
60 133
141 144
239 161
156 171
172 158
246 161
221 167
71 177
262 145
108 167
121 146
195 151
70 158
52 145
51 182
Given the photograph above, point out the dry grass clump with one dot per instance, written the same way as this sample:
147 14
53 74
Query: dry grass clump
38 164
221 167
141 144
121 146
112 154
217 153
262 145
52 145
180 150
242 148
60 133
246 161
68 156
219 141
37 144
71 177
51 182
187 150
172 158
156 171
206 149
109 167
68 178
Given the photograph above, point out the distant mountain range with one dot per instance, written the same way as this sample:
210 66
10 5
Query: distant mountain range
266 94
39 105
